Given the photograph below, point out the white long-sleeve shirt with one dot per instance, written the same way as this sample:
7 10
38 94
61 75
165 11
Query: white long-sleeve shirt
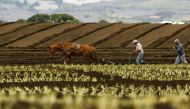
139 48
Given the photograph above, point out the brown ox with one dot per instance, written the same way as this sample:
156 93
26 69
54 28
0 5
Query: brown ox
73 49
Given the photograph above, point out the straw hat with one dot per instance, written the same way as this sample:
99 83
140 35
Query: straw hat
135 41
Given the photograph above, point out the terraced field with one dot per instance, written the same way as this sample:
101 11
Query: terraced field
5 29
102 34
155 35
75 34
35 38
125 37
113 41
183 36
25 32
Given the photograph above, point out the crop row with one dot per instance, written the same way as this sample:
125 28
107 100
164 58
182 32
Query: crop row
99 97
138 72
37 73
56 72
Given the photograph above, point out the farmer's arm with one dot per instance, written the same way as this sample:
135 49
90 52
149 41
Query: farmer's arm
174 47
179 48
134 51
138 49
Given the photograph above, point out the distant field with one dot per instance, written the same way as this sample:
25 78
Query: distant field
31 79
126 37
101 35
159 33
26 43
74 34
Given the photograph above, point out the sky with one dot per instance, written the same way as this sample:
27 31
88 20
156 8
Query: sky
81 2
95 10
76 2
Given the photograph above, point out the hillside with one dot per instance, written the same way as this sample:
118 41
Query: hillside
116 35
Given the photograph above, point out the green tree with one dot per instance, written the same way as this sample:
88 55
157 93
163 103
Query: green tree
39 18
54 18
63 18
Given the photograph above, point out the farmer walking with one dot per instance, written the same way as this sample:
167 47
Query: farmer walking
139 50
181 54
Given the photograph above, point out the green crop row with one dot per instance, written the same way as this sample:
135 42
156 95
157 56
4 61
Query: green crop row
37 73
55 72
138 72
95 97
101 95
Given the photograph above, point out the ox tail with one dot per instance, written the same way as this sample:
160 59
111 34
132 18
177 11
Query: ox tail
94 55
51 52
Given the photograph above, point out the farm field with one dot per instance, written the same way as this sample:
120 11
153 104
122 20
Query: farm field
155 35
125 37
26 43
118 56
101 35
25 32
74 34
5 29
183 36
30 79
56 86
35 38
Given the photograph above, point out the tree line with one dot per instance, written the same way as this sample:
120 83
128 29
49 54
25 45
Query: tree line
53 18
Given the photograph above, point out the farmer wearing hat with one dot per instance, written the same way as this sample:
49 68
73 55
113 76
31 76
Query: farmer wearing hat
181 54
139 50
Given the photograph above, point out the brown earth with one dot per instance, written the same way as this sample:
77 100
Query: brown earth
183 36
102 34
127 35
74 34
121 56
28 41
11 27
158 33
5 39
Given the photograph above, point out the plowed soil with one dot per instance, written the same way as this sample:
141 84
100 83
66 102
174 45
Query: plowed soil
23 32
28 41
10 27
153 36
101 34
129 34
69 36
183 36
